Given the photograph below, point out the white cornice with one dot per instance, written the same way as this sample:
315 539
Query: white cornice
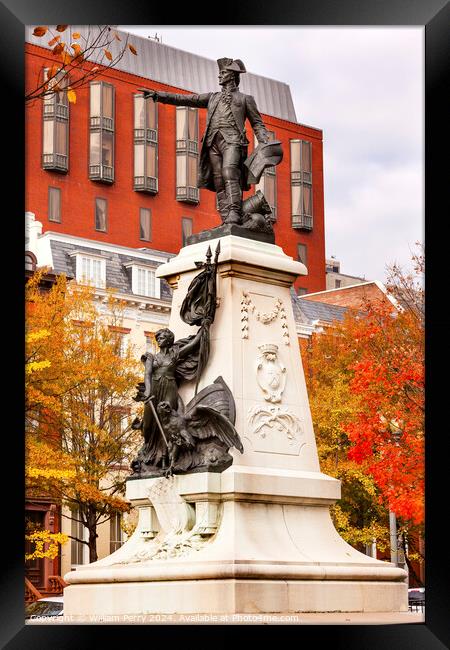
143 303
305 330
113 248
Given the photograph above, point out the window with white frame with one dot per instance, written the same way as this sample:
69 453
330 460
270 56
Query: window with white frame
144 281
78 550
187 154
90 270
115 532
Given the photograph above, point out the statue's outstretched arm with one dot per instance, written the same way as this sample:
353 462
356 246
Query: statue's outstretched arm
177 99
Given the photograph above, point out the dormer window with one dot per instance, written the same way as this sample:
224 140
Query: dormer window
144 281
90 269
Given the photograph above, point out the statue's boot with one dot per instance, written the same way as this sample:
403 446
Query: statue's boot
222 205
234 199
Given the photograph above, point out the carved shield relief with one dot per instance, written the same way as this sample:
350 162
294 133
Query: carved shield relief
270 373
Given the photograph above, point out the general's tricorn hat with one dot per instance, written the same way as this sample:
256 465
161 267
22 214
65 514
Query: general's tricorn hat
265 155
235 65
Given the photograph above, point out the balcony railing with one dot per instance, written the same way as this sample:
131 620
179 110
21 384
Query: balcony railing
56 110
146 184
302 222
99 122
187 145
140 134
55 161
188 194
103 173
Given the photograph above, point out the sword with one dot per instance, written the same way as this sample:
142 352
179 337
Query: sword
155 415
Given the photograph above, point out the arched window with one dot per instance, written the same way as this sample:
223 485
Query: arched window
30 261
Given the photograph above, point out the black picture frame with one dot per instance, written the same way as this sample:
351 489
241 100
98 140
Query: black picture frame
433 15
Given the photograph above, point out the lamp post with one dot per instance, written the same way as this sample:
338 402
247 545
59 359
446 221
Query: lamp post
397 558
393 536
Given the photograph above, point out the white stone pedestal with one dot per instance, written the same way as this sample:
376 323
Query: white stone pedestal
258 537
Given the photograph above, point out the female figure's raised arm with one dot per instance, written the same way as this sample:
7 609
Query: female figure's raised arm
190 347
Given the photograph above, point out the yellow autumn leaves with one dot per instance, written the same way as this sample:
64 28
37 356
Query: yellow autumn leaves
46 544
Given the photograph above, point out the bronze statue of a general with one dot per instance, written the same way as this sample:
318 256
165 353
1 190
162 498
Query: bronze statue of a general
224 143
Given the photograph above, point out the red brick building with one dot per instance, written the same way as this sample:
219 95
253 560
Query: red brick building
111 169
354 296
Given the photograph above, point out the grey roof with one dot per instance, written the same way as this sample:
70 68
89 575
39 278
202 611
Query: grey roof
186 70
117 275
299 316
313 311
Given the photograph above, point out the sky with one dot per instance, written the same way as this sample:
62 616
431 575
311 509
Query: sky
364 87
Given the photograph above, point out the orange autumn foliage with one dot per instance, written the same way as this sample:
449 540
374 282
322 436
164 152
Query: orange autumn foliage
78 395
365 377
388 430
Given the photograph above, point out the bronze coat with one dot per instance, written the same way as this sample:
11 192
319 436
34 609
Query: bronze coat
242 107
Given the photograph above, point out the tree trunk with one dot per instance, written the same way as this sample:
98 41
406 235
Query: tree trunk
92 528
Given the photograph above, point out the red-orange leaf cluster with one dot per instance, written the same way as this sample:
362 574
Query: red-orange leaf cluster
365 376
387 431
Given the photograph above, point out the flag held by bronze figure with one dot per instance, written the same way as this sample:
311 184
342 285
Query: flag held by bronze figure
199 305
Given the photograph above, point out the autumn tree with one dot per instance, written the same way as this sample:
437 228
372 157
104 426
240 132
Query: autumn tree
77 58
78 432
358 516
365 379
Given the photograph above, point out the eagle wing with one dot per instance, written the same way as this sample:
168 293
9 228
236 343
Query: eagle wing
218 396
206 422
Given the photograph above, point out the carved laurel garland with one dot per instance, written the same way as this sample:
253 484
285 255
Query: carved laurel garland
278 418
247 305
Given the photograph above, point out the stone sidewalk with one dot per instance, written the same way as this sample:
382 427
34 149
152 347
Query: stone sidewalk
331 618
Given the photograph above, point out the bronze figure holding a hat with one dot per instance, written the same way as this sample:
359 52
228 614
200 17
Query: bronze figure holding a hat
223 165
